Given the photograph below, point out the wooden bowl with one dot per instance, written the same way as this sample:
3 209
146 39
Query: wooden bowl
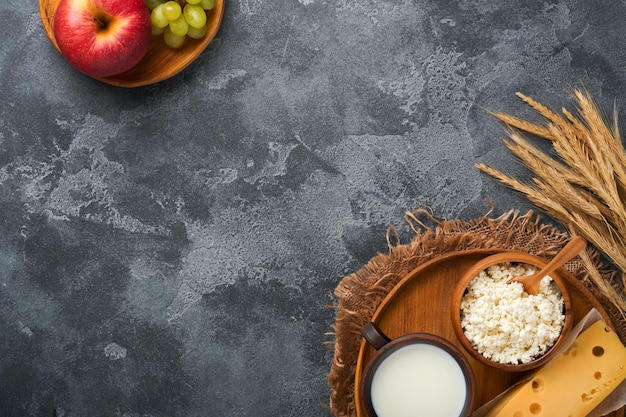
161 62
483 264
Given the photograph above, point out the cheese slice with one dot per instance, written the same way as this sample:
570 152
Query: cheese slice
574 382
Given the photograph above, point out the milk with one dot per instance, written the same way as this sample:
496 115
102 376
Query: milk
418 380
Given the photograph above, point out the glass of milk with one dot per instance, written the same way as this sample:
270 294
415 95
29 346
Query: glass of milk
418 374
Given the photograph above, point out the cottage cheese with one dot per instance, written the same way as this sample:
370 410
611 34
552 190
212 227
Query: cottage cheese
503 322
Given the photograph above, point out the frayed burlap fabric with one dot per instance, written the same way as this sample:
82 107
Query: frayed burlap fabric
360 294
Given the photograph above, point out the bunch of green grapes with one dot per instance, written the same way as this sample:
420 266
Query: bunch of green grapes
177 19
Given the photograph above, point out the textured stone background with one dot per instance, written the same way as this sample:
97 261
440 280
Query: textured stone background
168 251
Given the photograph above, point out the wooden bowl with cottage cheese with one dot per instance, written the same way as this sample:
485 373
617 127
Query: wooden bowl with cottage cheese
501 325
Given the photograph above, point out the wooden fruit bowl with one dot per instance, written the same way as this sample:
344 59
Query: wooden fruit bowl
161 62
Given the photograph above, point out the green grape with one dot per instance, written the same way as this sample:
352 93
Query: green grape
153 3
171 40
195 15
179 26
206 4
157 18
196 33
171 10
157 31
193 1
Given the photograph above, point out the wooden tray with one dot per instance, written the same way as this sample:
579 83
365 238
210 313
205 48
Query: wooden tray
421 302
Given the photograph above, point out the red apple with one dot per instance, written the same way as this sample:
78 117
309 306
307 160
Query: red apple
102 38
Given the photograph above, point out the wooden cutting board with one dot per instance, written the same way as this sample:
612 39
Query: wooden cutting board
420 302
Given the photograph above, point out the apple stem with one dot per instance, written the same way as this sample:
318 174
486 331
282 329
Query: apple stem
101 21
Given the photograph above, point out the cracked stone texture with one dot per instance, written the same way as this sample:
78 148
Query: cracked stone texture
169 251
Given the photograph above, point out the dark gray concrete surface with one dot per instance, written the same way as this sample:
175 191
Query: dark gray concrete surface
168 251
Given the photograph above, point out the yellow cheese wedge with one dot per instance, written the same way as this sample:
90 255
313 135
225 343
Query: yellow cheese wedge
574 382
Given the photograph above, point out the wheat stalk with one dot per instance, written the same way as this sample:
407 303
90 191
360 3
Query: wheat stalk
583 186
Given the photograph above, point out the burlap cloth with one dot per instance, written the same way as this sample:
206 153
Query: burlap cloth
360 293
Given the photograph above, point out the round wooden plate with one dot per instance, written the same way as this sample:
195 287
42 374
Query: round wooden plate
161 62
420 302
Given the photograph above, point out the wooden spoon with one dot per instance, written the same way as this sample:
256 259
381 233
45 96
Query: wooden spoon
531 282
161 62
